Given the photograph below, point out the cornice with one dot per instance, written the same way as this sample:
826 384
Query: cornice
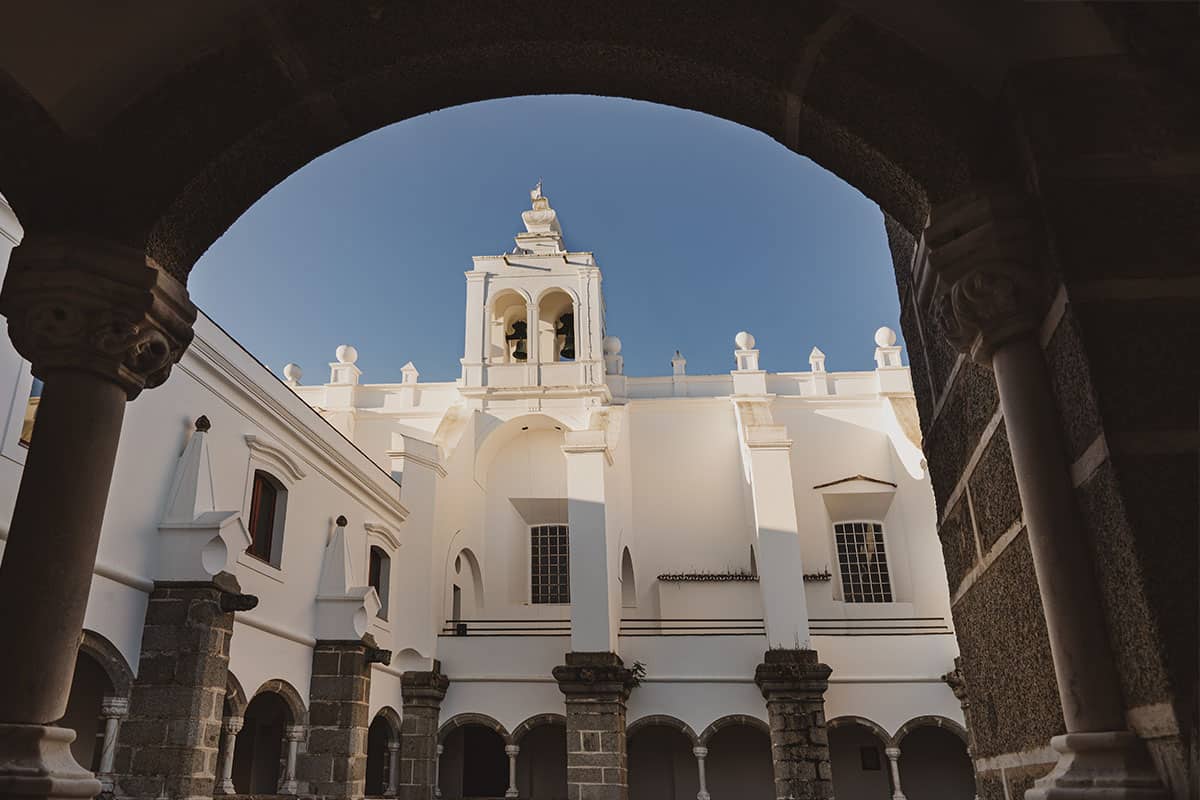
429 463
383 532
369 491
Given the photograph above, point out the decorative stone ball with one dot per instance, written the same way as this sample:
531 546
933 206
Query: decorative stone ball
612 345
346 354
885 337
292 372
341 521
744 341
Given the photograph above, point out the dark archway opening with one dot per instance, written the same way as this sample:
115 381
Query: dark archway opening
258 748
934 765
662 765
474 765
89 686
542 763
378 736
739 764
860 766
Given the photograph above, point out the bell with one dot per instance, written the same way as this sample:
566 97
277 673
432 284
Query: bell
518 336
566 329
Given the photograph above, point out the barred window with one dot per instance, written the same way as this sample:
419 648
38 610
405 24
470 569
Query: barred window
549 564
863 562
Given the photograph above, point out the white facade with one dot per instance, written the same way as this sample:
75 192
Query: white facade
701 510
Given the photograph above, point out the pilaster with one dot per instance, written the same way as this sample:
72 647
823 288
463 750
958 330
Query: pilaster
169 744
596 687
422 692
793 682
593 623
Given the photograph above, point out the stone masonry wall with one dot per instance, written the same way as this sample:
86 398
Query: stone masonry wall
335 764
423 692
168 744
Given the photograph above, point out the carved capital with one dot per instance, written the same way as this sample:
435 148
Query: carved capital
424 687
984 284
792 674
76 303
599 676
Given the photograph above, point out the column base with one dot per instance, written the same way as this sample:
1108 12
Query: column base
225 787
1100 766
289 787
36 762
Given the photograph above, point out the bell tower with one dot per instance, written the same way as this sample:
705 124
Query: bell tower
535 316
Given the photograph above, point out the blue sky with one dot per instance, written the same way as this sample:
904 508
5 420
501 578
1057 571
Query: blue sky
702 228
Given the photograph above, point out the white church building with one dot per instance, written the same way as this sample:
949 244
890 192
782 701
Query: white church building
402 569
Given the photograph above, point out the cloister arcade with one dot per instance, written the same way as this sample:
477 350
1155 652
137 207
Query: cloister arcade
1036 166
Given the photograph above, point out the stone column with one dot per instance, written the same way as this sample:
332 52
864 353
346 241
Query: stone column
512 751
98 324
112 711
229 727
335 765
596 686
793 682
170 740
393 765
893 755
293 735
422 693
989 296
437 769
701 753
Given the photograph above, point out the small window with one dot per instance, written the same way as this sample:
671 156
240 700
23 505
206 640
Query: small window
267 506
863 562
550 566
380 577
31 408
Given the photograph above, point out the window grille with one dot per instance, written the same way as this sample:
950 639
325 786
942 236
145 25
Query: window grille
549 564
863 562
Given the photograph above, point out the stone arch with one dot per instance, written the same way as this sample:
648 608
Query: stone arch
235 695
537 720
290 696
874 727
733 719
666 721
495 439
932 721
472 718
392 718
567 290
110 659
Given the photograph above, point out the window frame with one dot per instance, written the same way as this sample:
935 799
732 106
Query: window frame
382 582
274 556
529 561
889 567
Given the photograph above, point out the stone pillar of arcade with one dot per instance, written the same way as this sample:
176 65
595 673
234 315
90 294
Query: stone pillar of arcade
99 323
422 692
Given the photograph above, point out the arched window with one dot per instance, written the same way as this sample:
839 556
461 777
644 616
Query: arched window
549 564
510 330
379 577
268 504
556 327
628 581
862 562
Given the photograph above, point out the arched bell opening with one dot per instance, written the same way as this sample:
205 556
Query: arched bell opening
662 765
509 341
556 327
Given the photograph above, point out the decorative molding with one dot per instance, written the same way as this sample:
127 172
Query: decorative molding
433 464
276 455
383 532
854 478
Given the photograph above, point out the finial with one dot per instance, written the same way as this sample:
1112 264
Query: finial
744 340
203 425
885 337
536 192
292 373
341 521
612 346
346 354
